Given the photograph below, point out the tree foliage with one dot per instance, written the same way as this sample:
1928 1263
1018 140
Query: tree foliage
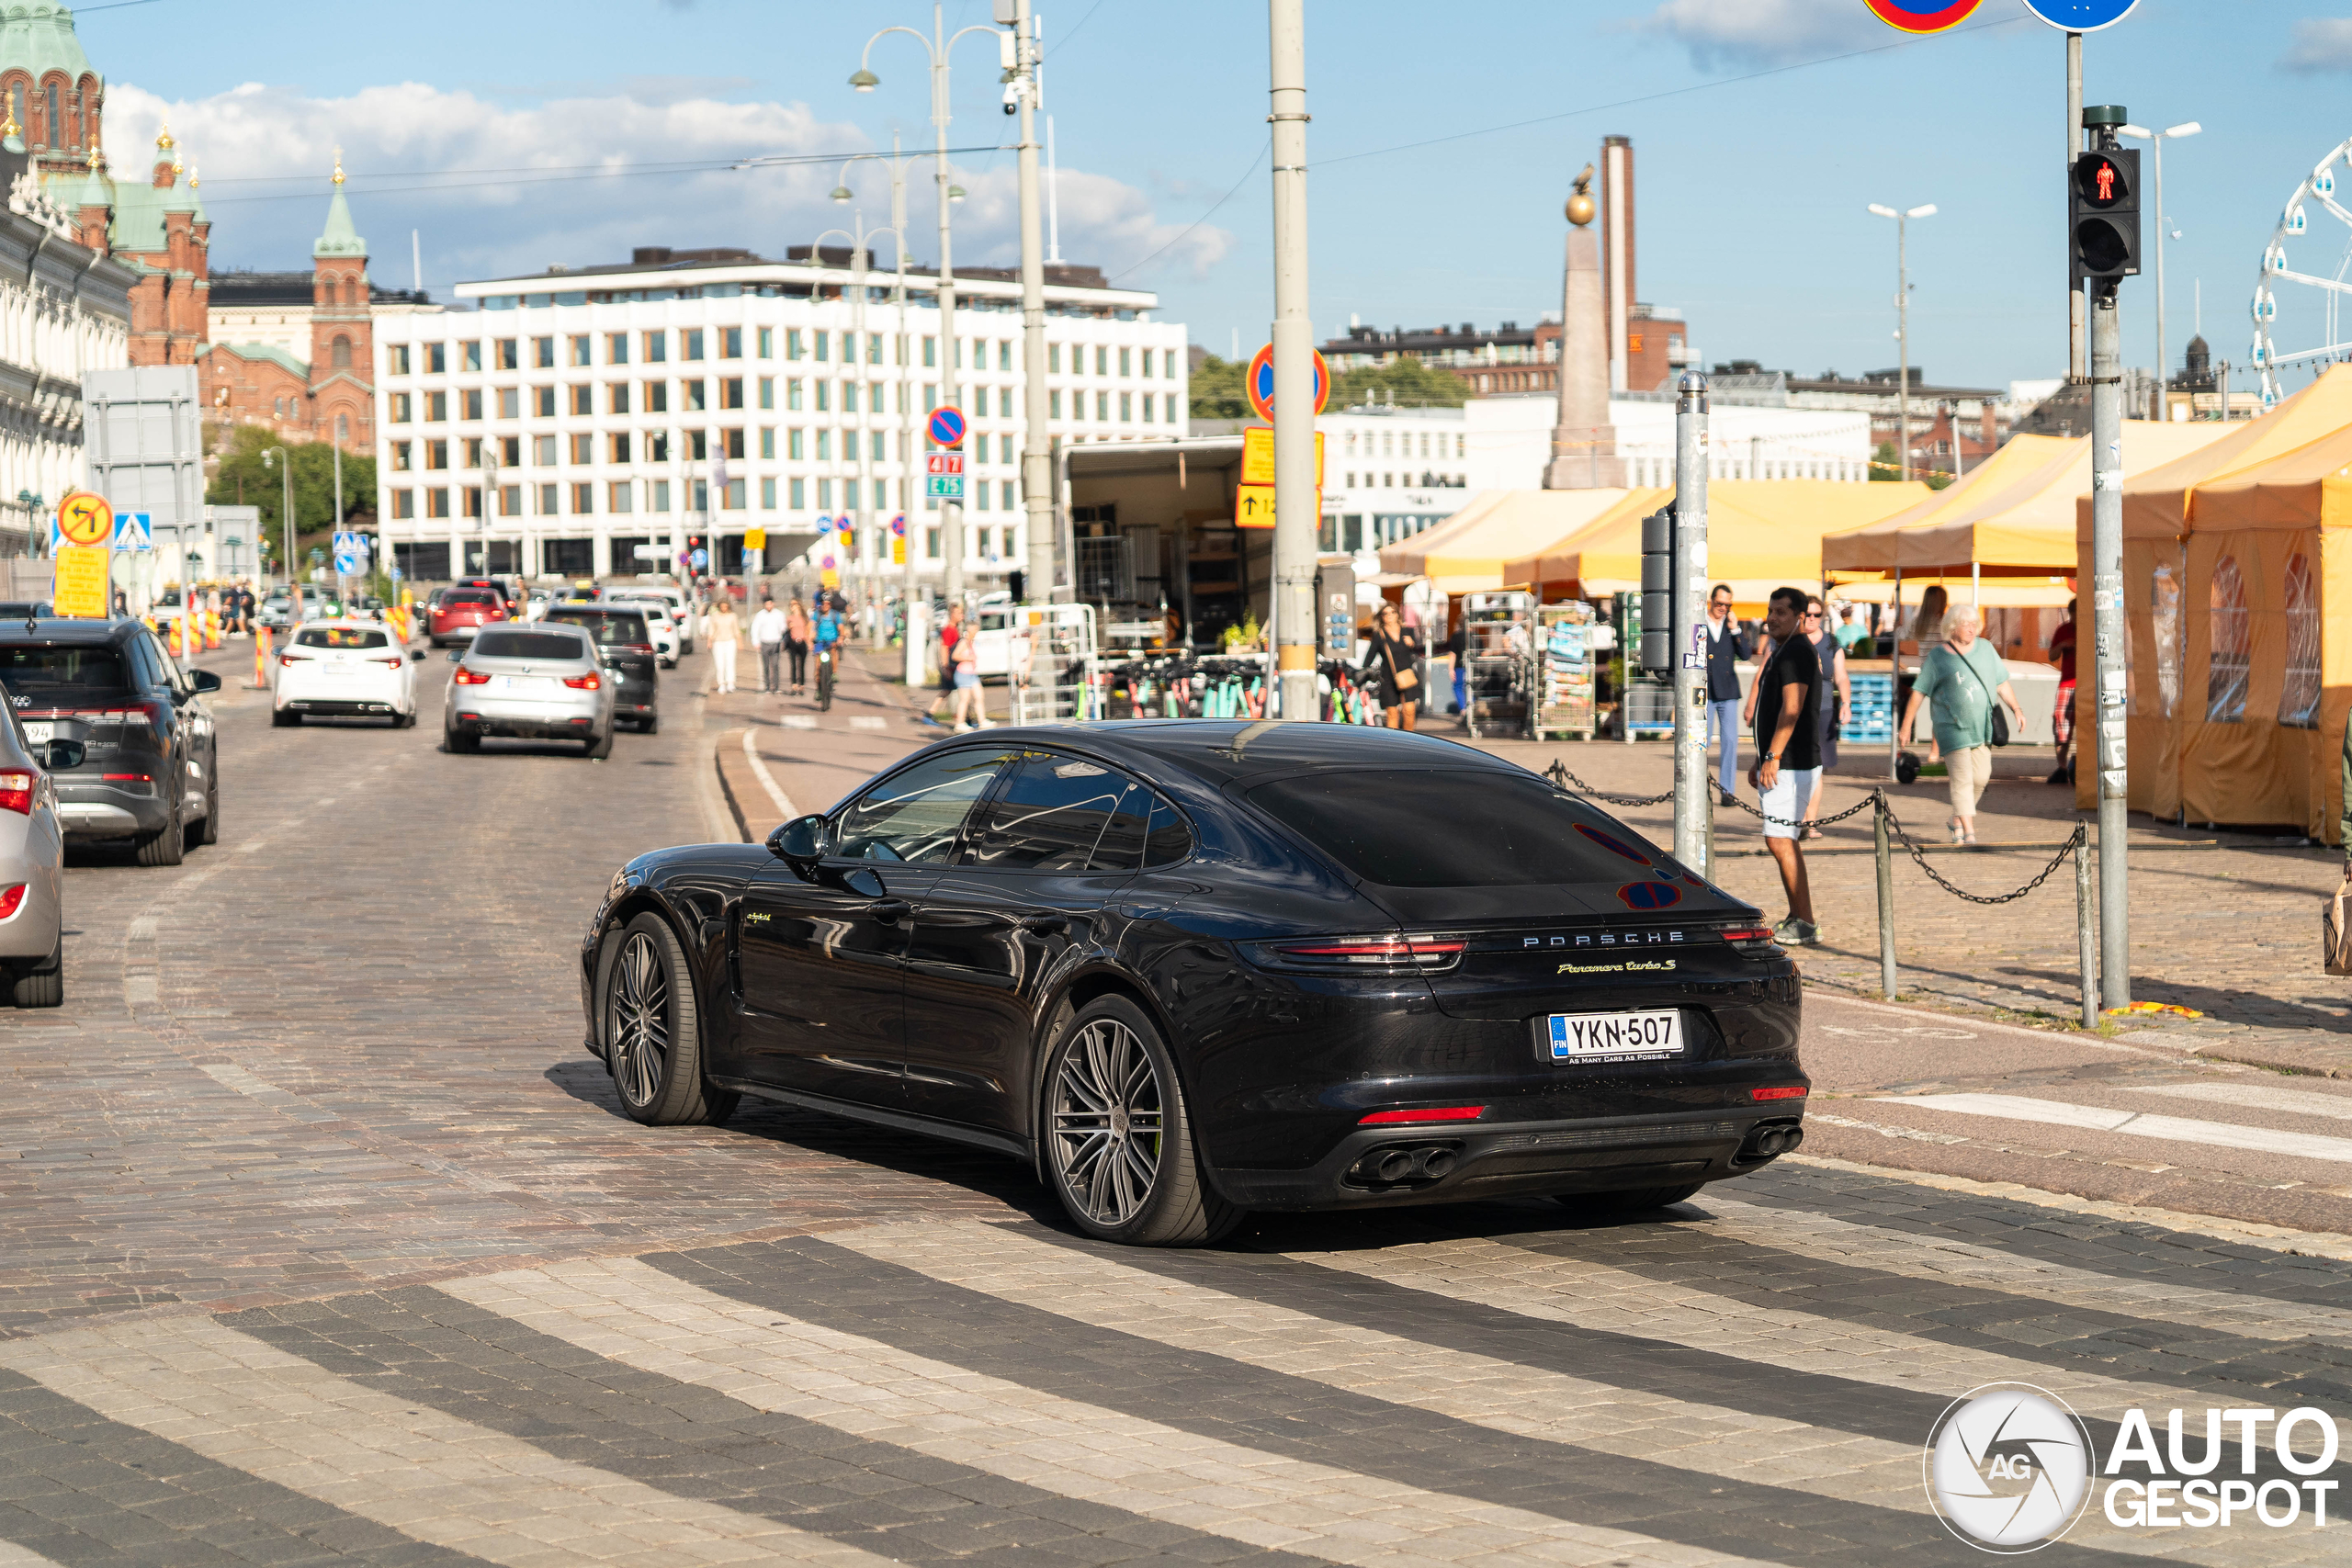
244 479
1218 393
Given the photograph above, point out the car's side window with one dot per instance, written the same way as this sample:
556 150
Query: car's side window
917 815
1050 814
1170 839
149 661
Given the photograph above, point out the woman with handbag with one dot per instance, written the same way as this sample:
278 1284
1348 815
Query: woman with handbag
1394 662
1963 674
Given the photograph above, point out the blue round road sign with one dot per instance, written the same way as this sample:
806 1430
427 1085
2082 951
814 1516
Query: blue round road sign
948 426
2081 15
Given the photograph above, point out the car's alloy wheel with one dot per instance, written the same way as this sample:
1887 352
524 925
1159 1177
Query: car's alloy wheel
1119 1143
652 1030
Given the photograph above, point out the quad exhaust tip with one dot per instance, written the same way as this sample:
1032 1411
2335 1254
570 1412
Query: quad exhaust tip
1398 1164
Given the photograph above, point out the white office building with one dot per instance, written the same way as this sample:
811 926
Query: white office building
622 415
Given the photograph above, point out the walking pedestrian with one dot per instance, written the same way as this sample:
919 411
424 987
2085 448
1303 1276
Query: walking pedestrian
726 635
967 686
795 643
1834 695
1393 663
1962 674
2062 716
828 638
1787 762
767 635
1926 630
952 634
1727 646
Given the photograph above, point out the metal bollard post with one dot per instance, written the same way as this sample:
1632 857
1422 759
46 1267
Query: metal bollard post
1885 900
2086 928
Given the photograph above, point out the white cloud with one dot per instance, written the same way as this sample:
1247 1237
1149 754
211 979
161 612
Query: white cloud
2323 43
1721 33
497 187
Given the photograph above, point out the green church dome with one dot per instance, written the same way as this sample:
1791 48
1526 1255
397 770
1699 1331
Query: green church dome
38 38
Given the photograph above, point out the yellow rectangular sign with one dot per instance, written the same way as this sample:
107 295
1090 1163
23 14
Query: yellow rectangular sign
1253 506
755 538
83 579
1257 455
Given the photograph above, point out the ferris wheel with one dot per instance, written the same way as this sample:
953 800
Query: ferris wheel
2314 301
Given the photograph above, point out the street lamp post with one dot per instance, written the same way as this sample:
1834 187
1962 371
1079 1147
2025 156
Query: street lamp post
1902 321
1296 524
937 47
909 445
2164 228
1023 92
274 457
489 489
868 568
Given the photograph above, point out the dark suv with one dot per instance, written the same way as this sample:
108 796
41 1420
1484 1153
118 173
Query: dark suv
625 643
147 773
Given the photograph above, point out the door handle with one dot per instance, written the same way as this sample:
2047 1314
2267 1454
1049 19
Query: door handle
1043 925
890 910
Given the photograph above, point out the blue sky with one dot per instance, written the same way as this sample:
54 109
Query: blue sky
1753 186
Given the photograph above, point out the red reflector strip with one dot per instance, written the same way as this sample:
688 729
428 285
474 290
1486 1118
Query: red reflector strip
1782 1092
126 778
1753 933
1430 1114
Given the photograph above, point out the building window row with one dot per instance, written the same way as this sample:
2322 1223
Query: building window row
587 497
553 351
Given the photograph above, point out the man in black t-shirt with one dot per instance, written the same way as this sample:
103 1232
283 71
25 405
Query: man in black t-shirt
1788 744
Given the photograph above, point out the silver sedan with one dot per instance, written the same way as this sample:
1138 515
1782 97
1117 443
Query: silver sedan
32 853
537 681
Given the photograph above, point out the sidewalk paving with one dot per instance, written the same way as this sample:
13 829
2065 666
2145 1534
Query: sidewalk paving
2225 923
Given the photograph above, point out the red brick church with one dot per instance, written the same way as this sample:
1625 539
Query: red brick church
51 101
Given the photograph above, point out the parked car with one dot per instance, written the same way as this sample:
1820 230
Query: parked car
349 667
681 603
531 682
148 774
667 643
624 638
32 855
281 609
458 613
1186 970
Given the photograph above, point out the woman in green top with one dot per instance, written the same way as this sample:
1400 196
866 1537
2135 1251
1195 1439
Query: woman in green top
1964 674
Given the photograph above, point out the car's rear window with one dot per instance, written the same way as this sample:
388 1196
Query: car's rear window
65 671
1453 828
609 627
469 596
530 645
340 637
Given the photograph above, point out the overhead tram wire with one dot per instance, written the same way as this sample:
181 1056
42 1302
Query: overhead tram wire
1204 217
556 174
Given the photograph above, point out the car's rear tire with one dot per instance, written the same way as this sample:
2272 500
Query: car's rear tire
461 743
43 987
649 723
653 1031
602 747
1629 1199
1120 1151
165 846
285 718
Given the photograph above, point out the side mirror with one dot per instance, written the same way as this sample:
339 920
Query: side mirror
63 754
204 679
803 841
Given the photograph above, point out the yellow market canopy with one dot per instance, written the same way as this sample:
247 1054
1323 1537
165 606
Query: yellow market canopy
1465 553
1761 535
2013 516
2169 500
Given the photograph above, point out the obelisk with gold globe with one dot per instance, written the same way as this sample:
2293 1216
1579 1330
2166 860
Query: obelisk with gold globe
1584 443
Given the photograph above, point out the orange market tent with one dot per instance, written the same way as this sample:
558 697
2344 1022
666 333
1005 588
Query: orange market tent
2014 516
1761 535
2237 593
1466 554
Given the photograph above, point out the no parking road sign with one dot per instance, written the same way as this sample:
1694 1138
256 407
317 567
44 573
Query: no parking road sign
1260 383
1922 15
948 428
2079 15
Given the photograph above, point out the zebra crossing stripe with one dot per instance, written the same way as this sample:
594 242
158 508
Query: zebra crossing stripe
1088 1287
642 1316
438 1480
2132 1124
14 1556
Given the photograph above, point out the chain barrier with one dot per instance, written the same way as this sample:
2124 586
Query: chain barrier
1875 800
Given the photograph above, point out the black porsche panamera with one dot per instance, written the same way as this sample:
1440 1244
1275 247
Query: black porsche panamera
1194 968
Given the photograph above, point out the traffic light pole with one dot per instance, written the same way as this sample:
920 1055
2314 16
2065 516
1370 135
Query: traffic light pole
1296 519
2108 630
1693 803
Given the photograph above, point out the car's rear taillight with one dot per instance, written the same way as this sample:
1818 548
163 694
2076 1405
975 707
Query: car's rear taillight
1384 954
284 658
392 663
17 791
1750 938
637 647
12 899
465 677
588 683
1422 1113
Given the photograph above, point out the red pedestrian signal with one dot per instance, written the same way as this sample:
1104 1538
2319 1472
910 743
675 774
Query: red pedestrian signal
2102 184
2103 209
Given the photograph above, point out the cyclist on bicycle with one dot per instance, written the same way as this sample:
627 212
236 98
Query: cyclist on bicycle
829 639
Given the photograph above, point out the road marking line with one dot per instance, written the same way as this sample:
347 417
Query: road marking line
768 779
2100 1119
867 722
434 1478
1963 1021
14 1556
628 1311
2257 1097
798 720
1507 1396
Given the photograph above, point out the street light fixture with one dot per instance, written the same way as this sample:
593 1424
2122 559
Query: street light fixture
2164 223
937 47
1903 322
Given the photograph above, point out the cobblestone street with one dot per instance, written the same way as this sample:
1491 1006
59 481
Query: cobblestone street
322 1238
